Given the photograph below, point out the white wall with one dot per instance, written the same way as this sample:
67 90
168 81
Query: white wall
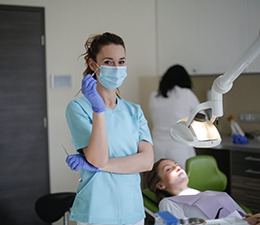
68 24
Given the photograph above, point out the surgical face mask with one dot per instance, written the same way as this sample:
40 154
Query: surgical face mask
112 77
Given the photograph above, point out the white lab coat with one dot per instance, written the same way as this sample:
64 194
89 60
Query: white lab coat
164 113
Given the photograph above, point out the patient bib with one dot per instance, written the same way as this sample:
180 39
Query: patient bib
213 204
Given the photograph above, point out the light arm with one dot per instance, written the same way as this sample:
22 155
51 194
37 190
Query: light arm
185 132
224 83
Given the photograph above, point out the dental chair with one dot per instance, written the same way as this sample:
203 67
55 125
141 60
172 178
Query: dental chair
204 174
52 207
150 203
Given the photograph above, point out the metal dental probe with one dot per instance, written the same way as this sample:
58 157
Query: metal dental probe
80 179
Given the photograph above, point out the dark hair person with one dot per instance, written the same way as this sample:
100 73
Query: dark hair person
173 101
175 76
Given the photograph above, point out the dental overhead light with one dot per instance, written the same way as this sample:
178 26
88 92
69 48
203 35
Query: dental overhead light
197 130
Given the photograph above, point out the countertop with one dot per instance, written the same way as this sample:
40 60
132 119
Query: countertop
252 146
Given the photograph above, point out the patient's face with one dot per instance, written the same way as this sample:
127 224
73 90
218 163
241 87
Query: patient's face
173 178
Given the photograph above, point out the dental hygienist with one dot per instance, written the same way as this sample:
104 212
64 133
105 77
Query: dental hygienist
112 138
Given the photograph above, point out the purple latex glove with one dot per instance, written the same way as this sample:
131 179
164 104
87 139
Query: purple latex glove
78 161
89 90
239 139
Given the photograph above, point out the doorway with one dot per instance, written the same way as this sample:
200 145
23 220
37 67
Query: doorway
24 167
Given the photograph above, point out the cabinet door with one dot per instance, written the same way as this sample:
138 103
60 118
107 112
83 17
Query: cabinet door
246 190
254 30
246 164
177 34
245 179
207 37
222 33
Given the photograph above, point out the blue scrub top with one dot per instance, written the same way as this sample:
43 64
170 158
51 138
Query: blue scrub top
104 197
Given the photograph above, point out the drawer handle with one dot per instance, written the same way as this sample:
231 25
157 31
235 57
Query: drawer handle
249 184
250 158
252 197
252 171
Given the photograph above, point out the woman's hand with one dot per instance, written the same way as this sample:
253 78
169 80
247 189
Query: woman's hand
78 161
89 90
253 219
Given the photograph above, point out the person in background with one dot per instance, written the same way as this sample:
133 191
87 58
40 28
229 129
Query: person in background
173 101
112 138
170 184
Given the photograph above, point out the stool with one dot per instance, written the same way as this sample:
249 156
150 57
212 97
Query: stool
52 207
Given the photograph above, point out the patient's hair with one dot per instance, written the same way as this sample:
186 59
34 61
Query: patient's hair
176 75
152 178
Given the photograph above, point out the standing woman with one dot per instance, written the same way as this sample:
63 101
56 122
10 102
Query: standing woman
112 138
173 101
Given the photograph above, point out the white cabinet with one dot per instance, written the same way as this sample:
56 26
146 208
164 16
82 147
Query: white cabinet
222 34
177 34
254 30
205 36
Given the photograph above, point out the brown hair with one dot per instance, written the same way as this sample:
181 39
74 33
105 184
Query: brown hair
151 180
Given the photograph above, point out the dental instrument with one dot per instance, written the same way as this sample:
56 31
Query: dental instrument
65 150
81 88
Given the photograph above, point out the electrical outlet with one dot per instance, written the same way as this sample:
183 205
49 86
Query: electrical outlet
250 117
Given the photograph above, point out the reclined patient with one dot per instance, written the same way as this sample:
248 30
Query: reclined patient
170 184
